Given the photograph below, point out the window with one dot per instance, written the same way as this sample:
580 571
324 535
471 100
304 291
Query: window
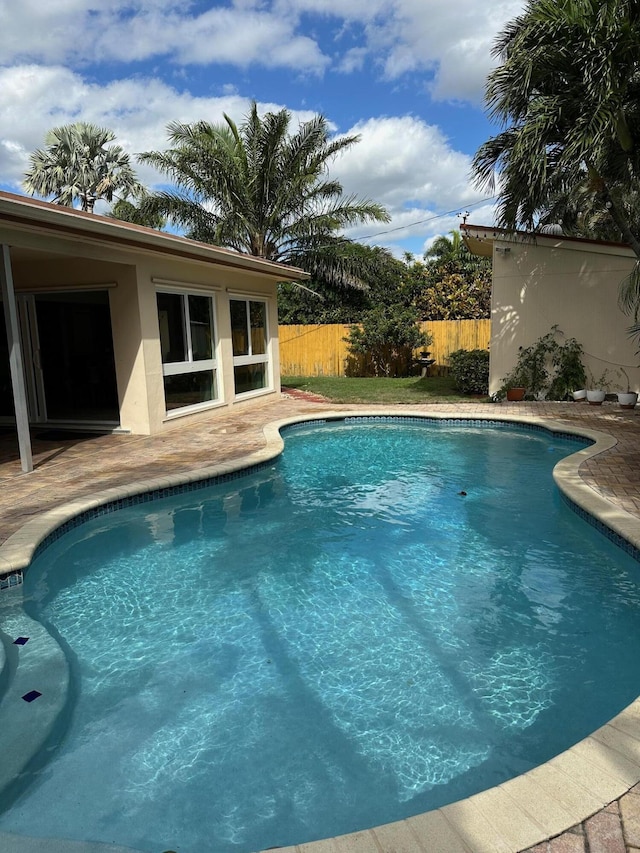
187 343
249 337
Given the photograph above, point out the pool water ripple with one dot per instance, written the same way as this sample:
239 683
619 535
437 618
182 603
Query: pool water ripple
338 640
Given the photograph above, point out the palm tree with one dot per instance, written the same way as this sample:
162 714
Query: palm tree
78 163
444 249
451 251
262 190
568 97
128 211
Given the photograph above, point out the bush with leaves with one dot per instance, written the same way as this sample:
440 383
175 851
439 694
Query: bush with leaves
547 369
570 374
449 283
382 278
384 342
470 370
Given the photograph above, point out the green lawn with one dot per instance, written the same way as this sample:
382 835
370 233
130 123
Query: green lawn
412 389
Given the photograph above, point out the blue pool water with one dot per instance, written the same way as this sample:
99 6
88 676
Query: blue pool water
338 640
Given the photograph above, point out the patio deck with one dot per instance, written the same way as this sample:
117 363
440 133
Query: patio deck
70 469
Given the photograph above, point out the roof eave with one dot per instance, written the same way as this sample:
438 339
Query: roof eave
479 239
27 213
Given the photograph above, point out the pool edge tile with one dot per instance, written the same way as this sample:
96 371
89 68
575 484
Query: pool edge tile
471 824
550 815
434 832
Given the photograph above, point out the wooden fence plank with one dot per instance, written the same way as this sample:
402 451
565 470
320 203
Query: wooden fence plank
320 350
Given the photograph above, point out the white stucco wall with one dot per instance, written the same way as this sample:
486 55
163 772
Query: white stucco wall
221 284
574 284
43 261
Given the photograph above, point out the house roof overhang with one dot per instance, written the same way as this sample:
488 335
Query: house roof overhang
20 213
480 240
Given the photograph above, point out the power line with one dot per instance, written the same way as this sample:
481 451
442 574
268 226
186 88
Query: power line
428 219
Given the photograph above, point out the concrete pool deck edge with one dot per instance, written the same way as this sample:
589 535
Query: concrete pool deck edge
521 812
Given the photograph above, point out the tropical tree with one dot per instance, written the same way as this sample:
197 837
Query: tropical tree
447 248
449 283
77 163
567 95
128 211
385 341
263 190
381 274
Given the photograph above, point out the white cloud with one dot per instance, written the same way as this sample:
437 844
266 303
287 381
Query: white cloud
71 31
450 41
217 36
353 60
408 166
403 160
33 99
453 40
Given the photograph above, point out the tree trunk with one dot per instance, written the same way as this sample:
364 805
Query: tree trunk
615 212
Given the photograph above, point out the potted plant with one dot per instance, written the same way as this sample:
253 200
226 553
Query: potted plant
516 393
570 379
547 370
513 386
530 377
597 388
627 399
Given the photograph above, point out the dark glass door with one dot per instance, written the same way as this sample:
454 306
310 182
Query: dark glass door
76 356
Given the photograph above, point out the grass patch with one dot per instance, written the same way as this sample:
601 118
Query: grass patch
411 389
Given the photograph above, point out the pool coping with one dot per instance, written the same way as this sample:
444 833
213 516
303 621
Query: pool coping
512 816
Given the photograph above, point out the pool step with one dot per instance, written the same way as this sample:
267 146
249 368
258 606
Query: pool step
4 663
10 843
36 684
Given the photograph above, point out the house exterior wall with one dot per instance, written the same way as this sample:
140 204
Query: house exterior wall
574 284
129 339
222 284
132 277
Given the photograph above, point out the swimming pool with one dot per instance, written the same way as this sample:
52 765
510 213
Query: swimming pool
404 601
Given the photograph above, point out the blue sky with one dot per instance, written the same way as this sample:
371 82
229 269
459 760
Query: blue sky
406 75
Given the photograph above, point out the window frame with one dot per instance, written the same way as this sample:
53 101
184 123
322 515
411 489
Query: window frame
184 368
259 358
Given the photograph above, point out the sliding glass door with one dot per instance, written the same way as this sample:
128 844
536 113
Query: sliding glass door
68 357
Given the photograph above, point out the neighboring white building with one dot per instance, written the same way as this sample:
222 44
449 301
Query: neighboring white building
542 280
124 327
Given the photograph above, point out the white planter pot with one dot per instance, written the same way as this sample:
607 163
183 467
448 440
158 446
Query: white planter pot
579 396
596 397
627 400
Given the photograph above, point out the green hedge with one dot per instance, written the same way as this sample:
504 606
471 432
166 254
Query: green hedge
470 370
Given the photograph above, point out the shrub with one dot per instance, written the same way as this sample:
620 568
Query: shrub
470 370
547 370
570 373
383 343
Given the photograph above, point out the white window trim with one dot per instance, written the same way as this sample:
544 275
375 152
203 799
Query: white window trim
177 368
172 414
260 358
249 295
168 285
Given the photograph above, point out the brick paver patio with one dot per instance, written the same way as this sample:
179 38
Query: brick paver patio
71 468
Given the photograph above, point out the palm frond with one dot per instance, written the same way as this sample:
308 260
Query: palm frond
264 190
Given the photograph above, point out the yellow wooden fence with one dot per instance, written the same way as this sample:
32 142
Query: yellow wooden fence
321 350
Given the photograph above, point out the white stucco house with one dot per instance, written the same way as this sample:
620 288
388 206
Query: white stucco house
542 280
113 326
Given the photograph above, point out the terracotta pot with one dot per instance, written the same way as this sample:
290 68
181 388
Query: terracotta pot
515 394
